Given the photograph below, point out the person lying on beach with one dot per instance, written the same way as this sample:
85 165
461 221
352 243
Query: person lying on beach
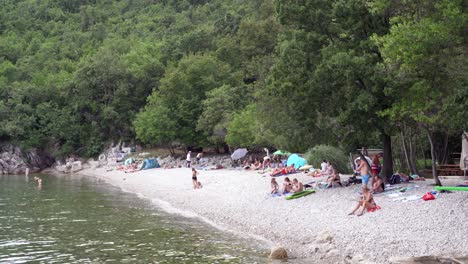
334 179
366 202
253 166
132 168
278 171
378 185
196 183
297 186
283 170
287 185
320 173
257 165
290 168
274 186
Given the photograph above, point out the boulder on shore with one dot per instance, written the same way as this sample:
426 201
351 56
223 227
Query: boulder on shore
278 253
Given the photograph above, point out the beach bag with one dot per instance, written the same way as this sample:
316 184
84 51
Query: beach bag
395 179
428 196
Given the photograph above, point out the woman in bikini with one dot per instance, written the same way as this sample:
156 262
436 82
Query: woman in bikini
196 183
287 185
334 179
297 186
366 202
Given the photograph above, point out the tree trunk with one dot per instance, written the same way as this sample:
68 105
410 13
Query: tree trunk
226 148
409 162
433 158
387 157
412 152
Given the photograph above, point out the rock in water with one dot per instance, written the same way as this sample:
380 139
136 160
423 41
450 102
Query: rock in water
278 253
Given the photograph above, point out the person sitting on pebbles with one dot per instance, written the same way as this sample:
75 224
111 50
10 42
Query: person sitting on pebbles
297 186
366 202
287 185
274 186
378 185
334 179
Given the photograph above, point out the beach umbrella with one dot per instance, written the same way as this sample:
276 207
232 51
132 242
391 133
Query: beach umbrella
298 161
239 153
281 153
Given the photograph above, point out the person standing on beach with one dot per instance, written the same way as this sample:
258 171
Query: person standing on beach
196 183
376 167
189 159
363 169
199 156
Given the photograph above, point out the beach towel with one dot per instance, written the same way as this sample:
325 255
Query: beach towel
373 209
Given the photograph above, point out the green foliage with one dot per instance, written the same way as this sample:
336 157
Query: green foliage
332 154
243 130
153 125
77 75
426 57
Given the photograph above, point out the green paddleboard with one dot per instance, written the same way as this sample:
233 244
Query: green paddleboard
299 194
451 188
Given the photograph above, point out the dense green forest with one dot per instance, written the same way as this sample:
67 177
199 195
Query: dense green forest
290 74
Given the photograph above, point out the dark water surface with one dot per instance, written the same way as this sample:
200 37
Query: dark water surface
75 219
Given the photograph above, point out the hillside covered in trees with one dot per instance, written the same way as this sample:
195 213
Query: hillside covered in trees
75 75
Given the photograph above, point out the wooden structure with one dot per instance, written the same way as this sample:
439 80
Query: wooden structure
449 170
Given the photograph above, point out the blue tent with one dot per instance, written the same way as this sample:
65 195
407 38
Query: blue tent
150 164
298 161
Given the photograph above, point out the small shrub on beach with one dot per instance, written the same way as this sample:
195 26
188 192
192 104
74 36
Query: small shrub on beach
333 154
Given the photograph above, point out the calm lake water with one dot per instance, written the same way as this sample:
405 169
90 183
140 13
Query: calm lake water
75 219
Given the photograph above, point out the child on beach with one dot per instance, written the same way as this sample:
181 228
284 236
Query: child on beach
196 183
366 202
274 186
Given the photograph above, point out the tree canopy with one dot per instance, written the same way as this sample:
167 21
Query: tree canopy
76 75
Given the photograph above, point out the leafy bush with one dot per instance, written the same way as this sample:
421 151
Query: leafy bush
333 154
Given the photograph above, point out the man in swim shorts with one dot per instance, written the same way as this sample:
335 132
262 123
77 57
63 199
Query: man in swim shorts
363 169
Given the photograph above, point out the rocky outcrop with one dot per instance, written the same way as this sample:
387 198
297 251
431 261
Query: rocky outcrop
15 161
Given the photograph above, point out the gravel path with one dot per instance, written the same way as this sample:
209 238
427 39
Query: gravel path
315 227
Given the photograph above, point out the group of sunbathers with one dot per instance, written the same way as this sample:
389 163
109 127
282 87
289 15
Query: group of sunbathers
283 170
268 162
288 186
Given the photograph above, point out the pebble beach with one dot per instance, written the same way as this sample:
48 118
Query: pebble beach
316 227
